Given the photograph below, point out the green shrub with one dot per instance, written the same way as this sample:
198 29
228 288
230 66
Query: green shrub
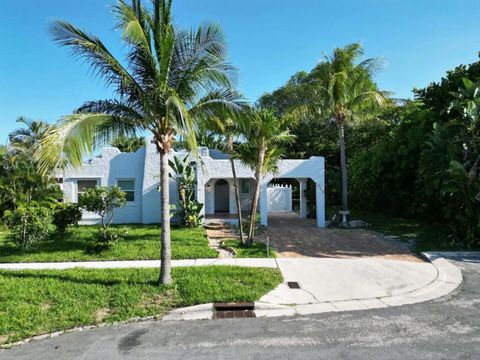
66 214
103 200
28 225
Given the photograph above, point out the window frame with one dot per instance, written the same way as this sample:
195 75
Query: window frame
78 193
128 191
242 182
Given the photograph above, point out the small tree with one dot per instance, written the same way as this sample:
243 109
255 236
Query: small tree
28 225
103 200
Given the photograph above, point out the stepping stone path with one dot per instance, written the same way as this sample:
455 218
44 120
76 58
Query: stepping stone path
216 234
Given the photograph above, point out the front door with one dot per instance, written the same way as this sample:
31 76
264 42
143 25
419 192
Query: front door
222 196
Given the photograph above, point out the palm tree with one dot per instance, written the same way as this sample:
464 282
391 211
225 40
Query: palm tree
342 90
30 137
264 133
228 127
172 79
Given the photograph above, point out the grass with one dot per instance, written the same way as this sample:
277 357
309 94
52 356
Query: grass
423 235
140 242
38 302
257 250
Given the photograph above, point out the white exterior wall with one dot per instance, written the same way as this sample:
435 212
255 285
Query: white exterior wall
279 198
143 167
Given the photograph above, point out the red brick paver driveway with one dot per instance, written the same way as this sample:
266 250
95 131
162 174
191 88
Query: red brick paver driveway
292 236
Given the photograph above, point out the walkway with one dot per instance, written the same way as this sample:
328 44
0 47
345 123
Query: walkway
292 236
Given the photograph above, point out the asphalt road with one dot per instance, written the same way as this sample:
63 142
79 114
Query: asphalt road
446 328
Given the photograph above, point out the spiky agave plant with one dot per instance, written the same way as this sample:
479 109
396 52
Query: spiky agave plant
172 78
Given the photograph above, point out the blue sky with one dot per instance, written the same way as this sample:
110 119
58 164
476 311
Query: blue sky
269 40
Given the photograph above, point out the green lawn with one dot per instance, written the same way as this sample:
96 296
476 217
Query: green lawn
37 302
424 235
257 250
140 242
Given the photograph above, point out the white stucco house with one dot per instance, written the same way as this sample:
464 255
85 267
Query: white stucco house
138 174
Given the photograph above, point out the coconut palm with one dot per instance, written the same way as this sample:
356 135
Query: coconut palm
29 137
264 133
342 90
172 78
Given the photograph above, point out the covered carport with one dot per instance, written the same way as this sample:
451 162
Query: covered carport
301 170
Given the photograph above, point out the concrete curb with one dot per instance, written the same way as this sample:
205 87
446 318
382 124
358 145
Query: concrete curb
449 278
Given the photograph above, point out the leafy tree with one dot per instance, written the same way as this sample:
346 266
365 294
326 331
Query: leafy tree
172 79
463 182
264 133
128 144
103 200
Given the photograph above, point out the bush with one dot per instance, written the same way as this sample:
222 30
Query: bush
103 200
66 214
28 225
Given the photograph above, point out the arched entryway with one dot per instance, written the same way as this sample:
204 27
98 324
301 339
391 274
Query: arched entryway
222 196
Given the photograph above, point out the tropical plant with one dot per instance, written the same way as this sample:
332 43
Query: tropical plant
28 139
463 183
128 144
21 182
342 90
226 128
189 212
64 215
184 176
28 225
264 133
172 79
103 200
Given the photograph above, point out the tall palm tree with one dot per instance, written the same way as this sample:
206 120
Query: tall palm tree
172 79
29 137
342 89
264 133
228 127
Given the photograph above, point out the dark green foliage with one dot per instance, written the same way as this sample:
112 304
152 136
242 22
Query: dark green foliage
66 214
128 144
28 225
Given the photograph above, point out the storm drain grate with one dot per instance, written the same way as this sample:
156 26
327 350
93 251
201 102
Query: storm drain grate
293 285
233 310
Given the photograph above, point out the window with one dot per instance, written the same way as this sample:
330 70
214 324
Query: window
245 186
83 185
128 187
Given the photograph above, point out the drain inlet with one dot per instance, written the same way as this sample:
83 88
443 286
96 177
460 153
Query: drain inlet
233 310
293 285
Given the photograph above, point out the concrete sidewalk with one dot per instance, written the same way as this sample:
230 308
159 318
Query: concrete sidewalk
325 284
332 285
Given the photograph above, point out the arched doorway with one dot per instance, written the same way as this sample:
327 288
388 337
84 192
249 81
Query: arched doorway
222 196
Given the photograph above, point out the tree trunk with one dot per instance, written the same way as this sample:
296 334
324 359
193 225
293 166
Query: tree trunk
235 188
256 195
343 165
166 253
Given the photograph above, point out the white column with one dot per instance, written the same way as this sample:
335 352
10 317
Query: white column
264 203
303 198
320 202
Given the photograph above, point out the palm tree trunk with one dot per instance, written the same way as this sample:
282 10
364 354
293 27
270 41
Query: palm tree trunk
166 253
343 165
235 188
256 195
